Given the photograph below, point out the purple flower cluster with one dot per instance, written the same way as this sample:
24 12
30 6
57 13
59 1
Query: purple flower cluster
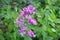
26 13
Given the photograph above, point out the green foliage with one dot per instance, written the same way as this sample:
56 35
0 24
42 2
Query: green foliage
48 27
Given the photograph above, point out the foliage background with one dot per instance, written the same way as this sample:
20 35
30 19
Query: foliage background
48 27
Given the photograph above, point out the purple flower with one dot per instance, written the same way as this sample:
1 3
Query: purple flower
15 3
28 17
29 21
17 20
34 21
21 21
31 33
31 12
25 10
30 7
22 14
23 31
26 13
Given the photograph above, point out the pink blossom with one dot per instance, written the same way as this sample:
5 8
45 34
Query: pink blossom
21 21
22 14
31 7
25 10
17 20
34 21
23 31
31 33
28 16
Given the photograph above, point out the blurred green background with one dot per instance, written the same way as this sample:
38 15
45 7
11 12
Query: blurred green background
48 27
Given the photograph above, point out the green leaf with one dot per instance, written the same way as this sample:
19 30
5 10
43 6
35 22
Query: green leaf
44 28
49 38
42 13
26 37
54 35
49 1
1 32
57 21
1 37
8 7
11 26
49 30
53 16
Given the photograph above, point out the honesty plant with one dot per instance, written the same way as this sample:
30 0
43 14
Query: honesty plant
26 13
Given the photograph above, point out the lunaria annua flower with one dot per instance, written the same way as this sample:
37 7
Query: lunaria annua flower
30 7
30 20
34 21
17 20
20 20
23 31
31 33
26 13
